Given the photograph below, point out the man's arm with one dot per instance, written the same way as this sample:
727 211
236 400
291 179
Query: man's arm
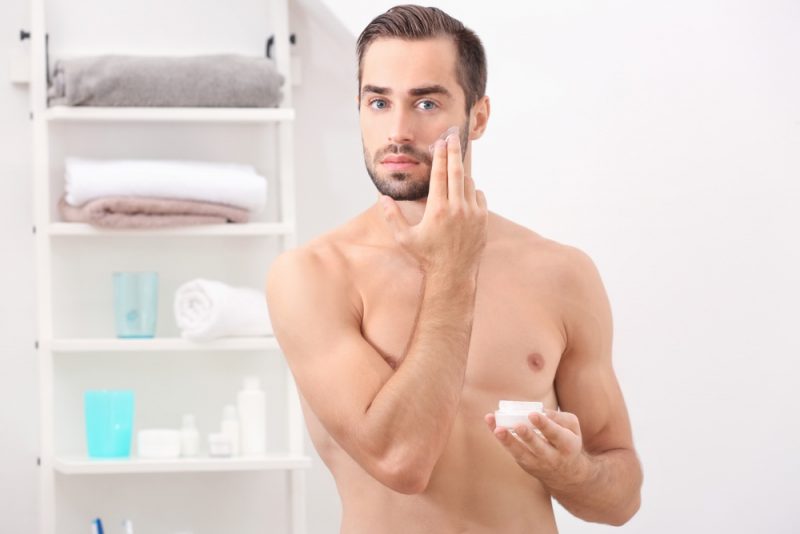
587 460
395 424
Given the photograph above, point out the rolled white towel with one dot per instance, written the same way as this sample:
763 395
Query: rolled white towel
207 309
234 184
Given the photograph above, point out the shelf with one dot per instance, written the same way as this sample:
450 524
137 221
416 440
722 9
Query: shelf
163 345
81 465
120 114
247 229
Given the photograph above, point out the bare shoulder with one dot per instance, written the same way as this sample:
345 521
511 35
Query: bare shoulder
320 263
566 266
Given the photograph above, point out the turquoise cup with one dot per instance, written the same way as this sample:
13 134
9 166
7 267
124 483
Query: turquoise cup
109 422
135 304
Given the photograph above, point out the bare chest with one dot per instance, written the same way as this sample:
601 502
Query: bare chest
517 335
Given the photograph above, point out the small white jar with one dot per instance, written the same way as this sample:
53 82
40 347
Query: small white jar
159 443
513 413
219 445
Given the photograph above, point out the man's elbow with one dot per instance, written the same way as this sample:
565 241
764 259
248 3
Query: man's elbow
625 514
405 475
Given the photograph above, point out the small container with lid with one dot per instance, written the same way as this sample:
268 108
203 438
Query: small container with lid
513 413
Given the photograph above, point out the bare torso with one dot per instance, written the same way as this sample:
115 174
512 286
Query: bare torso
517 341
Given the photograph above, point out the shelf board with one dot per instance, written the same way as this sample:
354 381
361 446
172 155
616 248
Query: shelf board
82 465
163 345
246 229
152 114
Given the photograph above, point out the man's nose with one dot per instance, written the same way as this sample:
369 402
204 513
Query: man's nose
402 128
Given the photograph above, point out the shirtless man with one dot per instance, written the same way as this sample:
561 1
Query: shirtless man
405 327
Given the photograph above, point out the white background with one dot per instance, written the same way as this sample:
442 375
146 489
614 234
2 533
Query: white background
663 138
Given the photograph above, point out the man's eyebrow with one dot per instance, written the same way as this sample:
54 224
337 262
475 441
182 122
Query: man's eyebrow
430 90
417 91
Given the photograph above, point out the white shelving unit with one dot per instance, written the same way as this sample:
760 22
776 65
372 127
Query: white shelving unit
50 233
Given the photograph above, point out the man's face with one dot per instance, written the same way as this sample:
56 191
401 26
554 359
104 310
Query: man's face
409 96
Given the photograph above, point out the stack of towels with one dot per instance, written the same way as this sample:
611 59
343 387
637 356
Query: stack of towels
222 80
159 193
208 309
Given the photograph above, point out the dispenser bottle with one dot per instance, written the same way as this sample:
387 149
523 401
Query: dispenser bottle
190 438
252 405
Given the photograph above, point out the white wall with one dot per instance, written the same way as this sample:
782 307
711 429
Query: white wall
662 138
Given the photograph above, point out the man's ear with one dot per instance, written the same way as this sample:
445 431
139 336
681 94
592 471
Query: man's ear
479 117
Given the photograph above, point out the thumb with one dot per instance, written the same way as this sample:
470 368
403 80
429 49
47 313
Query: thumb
397 221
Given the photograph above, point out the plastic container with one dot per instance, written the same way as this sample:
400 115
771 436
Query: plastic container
513 413
230 427
219 445
159 443
108 416
135 304
252 405
190 438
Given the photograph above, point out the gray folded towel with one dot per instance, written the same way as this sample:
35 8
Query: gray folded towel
224 80
147 212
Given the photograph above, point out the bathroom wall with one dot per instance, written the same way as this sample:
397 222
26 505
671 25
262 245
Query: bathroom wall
661 138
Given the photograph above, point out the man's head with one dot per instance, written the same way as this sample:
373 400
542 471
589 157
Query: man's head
420 71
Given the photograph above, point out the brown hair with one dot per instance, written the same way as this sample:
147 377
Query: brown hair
411 22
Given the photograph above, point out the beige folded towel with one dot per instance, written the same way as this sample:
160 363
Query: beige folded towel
147 212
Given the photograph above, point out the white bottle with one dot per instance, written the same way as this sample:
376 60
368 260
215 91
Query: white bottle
230 427
190 438
252 404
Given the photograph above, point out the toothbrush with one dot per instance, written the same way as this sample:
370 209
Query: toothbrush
128 526
97 526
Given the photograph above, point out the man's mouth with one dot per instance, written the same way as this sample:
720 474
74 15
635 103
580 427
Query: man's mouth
398 163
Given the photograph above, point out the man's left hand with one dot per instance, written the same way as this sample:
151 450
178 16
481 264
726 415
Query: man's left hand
557 458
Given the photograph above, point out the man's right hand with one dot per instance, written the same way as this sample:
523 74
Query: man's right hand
452 233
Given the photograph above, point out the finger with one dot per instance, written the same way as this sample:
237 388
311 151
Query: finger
534 441
481 199
437 190
455 170
565 419
490 420
469 190
561 438
397 221
518 450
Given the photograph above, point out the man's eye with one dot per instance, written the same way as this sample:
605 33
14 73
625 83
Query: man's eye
377 103
428 104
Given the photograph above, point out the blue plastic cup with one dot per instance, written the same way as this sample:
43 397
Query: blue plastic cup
135 304
109 422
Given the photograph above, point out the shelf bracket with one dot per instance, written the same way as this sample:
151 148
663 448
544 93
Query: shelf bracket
23 35
271 42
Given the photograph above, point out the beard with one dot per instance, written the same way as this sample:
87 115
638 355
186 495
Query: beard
403 185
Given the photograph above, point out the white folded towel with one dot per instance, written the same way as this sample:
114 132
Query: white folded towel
207 309
224 183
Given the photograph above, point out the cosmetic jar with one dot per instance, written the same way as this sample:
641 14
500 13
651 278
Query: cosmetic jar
513 413
159 443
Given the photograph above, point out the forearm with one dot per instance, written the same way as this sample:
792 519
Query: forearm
411 416
606 491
